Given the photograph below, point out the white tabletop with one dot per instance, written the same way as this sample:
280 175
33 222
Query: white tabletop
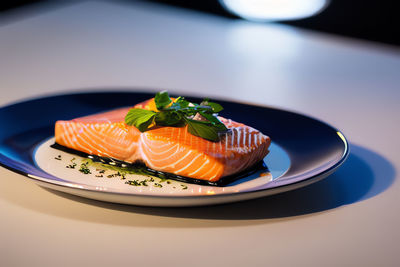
351 218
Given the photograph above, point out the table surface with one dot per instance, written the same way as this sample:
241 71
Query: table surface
349 219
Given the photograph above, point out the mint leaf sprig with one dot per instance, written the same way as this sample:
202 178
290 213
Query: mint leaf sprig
179 113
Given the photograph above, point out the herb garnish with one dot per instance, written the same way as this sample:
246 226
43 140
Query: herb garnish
178 113
184 187
84 168
137 182
101 170
73 165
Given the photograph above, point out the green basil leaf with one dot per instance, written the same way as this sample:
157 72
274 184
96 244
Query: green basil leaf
203 129
176 114
215 121
183 103
140 118
214 106
162 100
169 118
179 104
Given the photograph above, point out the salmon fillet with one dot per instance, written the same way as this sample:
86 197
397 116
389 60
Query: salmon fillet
168 149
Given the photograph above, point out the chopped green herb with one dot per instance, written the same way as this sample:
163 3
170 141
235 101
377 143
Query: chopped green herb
73 165
133 182
137 182
122 172
84 168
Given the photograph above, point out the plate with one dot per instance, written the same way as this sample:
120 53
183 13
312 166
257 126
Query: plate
303 150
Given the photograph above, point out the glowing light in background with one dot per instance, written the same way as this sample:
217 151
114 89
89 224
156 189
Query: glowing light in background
267 10
262 57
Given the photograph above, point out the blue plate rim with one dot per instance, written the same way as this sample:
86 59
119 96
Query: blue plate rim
281 188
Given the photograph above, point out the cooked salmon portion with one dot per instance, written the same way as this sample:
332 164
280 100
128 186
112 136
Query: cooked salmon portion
168 149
